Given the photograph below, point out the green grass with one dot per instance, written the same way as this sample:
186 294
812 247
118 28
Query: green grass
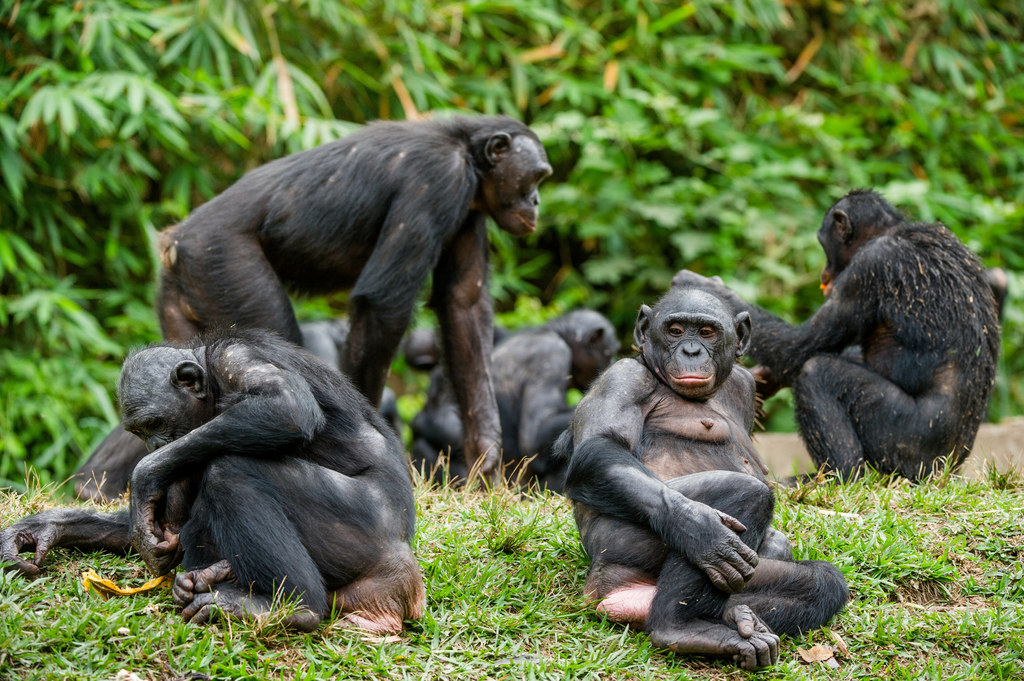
936 572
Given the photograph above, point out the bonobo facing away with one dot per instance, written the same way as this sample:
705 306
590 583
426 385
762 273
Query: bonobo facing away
269 475
533 370
670 495
896 368
377 213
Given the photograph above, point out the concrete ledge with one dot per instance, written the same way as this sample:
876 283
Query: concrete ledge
998 445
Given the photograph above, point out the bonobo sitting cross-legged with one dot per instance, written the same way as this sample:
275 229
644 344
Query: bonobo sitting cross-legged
670 495
268 475
896 368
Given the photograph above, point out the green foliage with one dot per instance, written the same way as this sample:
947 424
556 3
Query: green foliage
709 135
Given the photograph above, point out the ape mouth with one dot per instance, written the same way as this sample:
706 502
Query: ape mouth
826 283
692 380
529 222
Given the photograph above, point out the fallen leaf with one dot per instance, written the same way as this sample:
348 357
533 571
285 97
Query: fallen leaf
822 654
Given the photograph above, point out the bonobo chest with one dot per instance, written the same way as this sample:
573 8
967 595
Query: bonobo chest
681 437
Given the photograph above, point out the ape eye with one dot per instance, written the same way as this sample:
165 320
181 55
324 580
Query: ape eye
707 332
675 331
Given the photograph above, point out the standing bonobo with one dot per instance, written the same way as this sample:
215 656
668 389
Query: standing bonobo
670 495
896 368
269 475
377 212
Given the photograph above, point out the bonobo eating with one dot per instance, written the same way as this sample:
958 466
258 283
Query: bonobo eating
269 476
377 213
670 496
533 370
895 369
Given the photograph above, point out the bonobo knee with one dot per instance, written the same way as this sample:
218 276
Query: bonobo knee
813 372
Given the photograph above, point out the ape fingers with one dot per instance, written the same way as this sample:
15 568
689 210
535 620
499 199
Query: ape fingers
187 585
730 522
763 642
13 541
201 609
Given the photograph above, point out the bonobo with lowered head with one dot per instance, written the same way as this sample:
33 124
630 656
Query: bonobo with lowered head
269 476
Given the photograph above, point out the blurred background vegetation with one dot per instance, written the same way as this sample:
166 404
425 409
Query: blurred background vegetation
709 134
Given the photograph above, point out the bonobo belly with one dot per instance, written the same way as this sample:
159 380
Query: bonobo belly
671 454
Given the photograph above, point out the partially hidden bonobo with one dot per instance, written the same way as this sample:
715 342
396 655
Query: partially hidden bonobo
269 476
534 368
670 496
896 368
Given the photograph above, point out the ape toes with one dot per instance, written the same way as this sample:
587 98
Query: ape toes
201 609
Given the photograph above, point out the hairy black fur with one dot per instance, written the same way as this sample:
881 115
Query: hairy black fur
378 213
268 459
896 368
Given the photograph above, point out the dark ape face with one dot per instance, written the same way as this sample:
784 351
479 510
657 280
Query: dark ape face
509 188
163 393
593 343
849 224
690 340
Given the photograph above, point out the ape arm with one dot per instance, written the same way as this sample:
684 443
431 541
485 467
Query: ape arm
785 348
606 476
463 305
69 527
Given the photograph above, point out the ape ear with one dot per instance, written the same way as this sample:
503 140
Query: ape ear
189 376
595 337
743 327
643 326
843 225
496 146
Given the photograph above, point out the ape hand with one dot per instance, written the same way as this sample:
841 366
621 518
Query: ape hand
159 548
715 548
38 533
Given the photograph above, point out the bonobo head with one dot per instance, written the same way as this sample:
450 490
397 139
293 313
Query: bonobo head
591 337
422 348
163 393
851 222
690 341
514 163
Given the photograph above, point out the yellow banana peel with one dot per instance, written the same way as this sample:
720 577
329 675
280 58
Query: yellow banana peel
106 588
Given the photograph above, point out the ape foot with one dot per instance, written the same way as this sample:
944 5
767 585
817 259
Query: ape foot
381 624
187 585
233 600
740 635
630 605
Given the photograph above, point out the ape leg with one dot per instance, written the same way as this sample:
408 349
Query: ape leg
105 475
793 597
380 601
289 528
849 415
206 283
688 613
627 559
